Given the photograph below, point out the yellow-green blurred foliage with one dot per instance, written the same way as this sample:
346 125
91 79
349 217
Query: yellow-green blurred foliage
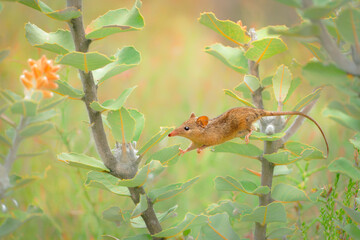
176 77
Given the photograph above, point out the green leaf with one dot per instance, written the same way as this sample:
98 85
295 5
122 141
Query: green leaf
233 95
265 48
113 104
142 175
281 157
139 222
353 230
10 96
105 181
49 105
306 152
18 218
231 57
281 82
62 15
126 58
294 84
342 165
239 148
307 99
264 137
291 3
140 123
189 221
3 54
164 131
353 214
281 170
230 184
122 125
233 209
59 42
5 140
252 82
274 212
115 214
287 193
270 31
219 227
85 61
170 191
116 21
348 25
66 89
280 233
140 207
319 74
356 141
303 30
82 161
36 129
228 29
42 116
315 50
25 107
167 156
318 12
343 118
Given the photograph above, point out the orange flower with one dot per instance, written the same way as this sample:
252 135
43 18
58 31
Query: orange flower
41 77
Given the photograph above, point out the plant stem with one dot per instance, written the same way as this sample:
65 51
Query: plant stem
11 156
102 145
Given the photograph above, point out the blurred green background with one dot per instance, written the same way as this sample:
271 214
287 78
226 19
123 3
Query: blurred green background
176 77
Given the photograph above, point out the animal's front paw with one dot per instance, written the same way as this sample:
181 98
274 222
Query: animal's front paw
182 152
198 150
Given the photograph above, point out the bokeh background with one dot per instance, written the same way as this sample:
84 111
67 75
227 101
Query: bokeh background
175 77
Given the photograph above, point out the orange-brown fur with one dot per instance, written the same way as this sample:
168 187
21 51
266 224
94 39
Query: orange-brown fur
234 123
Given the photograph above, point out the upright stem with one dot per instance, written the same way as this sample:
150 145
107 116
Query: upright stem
11 156
101 143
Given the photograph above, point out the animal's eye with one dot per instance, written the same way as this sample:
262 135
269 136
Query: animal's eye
186 128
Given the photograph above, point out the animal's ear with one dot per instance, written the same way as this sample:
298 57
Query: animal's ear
192 115
202 121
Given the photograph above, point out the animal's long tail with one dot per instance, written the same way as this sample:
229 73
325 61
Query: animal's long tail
269 113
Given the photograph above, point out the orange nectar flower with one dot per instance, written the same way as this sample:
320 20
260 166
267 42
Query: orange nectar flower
41 77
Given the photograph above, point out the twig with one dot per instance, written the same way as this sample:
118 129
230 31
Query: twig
7 120
11 156
101 143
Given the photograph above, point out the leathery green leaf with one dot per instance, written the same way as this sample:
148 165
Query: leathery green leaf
36 129
59 42
140 207
113 104
25 107
274 212
344 166
252 82
105 181
219 227
82 161
231 57
233 95
126 58
306 152
353 230
233 209
265 48
307 99
116 21
141 176
343 118
287 193
167 156
228 29
230 184
281 82
280 233
115 214
164 131
65 89
84 61
140 123
122 125
318 73
348 25
239 148
281 157
189 221
353 214
139 222
170 191
356 141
